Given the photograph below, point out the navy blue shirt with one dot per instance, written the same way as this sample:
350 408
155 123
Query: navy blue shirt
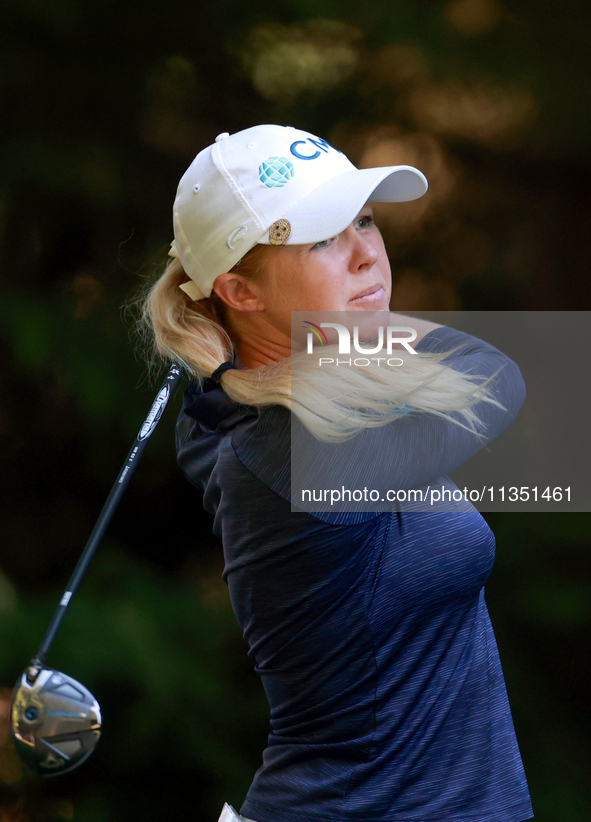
369 630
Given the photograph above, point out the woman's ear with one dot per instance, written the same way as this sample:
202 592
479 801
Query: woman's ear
237 292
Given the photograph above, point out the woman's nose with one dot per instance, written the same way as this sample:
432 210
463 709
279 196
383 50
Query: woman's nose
364 254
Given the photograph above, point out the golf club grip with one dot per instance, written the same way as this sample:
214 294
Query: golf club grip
167 390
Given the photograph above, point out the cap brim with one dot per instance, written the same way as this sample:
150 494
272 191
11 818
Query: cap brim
331 207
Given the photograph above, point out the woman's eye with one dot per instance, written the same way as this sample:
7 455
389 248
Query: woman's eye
322 243
361 222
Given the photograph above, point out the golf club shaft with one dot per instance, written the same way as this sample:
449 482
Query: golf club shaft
167 390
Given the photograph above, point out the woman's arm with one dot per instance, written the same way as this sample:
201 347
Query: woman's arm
408 452
411 451
419 447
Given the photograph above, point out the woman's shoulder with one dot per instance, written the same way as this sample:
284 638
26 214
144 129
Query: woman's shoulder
209 419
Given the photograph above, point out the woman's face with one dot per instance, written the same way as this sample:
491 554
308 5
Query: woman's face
350 272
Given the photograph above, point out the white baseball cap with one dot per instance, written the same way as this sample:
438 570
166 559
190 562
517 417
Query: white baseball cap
272 185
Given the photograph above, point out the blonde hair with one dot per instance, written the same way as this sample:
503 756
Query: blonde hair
334 404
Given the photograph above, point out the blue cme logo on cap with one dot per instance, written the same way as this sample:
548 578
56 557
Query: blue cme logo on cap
276 172
318 144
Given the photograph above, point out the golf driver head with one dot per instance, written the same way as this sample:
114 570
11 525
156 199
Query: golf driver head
55 721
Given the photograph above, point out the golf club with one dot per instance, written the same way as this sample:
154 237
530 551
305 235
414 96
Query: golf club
55 722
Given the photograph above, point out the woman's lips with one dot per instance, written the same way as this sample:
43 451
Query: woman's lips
372 294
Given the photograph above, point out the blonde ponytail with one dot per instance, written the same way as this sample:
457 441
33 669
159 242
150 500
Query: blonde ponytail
190 332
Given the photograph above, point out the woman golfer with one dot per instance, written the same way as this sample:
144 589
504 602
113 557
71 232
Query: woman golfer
368 627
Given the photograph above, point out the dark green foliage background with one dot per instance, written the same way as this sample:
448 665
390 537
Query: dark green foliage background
103 106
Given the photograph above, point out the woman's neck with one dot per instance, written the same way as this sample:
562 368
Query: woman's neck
255 352
257 342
